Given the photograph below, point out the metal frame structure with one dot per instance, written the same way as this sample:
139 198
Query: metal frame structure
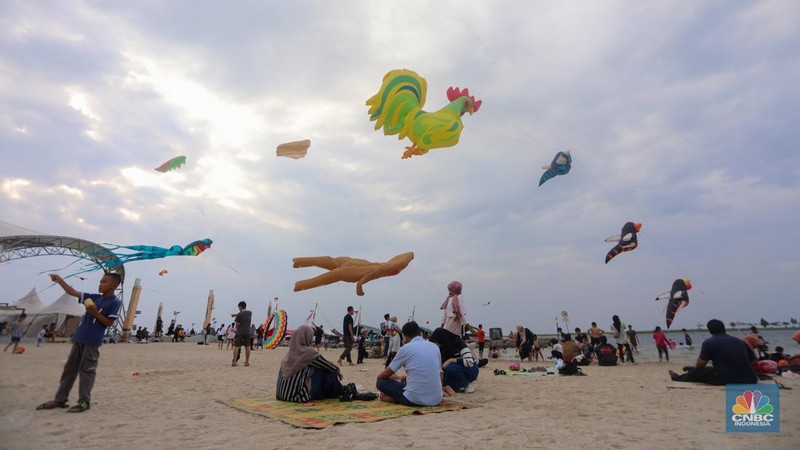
26 246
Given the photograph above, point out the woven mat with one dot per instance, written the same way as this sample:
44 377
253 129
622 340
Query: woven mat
324 413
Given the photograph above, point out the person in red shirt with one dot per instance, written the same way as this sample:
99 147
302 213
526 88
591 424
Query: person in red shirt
661 343
481 339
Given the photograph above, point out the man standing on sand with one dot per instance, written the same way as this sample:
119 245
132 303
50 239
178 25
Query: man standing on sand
101 313
594 334
347 336
242 337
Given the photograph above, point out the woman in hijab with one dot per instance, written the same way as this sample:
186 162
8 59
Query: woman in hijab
453 313
458 364
306 375
624 348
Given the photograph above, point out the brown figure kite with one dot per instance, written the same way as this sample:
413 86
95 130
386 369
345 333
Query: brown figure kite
348 269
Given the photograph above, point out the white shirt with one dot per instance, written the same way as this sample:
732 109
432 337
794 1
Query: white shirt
422 363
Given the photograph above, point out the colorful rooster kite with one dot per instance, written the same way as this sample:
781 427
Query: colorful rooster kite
678 298
172 164
561 164
397 108
627 240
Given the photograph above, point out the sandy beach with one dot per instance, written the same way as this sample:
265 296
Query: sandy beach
174 402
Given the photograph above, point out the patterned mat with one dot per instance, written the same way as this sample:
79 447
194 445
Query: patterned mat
324 413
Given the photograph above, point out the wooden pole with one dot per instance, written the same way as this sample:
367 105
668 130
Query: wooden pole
209 308
132 304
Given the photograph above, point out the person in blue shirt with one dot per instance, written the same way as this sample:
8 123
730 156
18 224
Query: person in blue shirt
101 312
732 359
422 362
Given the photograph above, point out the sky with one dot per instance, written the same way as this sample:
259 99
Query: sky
684 119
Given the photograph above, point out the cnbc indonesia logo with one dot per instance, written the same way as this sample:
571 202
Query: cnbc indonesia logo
752 409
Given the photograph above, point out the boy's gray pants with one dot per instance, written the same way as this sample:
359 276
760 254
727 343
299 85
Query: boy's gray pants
82 360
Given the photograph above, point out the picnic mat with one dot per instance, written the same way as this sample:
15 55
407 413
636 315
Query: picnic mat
324 413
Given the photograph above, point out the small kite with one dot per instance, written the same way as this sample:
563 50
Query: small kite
678 298
397 108
172 164
163 272
561 164
276 334
348 269
294 150
627 240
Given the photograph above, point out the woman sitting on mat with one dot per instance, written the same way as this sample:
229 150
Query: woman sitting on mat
459 366
306 375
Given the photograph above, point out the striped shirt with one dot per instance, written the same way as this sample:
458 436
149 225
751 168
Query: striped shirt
295 388
464 356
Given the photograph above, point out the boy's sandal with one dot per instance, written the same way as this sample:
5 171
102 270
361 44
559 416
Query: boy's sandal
80 407
52 404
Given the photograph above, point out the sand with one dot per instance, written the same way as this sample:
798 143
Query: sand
174 403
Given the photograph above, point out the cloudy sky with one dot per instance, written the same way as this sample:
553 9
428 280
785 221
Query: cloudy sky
681 117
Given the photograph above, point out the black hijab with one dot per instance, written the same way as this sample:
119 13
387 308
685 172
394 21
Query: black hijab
449 343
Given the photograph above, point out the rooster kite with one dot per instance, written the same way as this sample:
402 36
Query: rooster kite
627 240
678 298
397 107
561 164
172 164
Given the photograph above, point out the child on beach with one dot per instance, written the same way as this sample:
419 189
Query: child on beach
41 335
17 331
101 313
661 343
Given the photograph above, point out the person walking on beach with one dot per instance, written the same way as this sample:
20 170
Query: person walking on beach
242 337
618 331
101 312
453 315
318 332
220 336
524 343
661 343
394 340
481 335
362 346
385 333
347 336
633 339
687 339
17 331
230 333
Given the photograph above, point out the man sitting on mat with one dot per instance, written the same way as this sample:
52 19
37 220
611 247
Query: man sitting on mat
422 362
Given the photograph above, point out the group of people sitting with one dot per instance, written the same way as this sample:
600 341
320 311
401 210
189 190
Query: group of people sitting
434 368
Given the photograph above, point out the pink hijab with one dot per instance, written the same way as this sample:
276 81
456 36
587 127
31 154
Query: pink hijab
301 353
454 288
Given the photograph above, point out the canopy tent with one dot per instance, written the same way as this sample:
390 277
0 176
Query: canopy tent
31 303
65 312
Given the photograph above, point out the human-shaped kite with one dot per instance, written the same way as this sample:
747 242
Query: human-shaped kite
348 269
627 240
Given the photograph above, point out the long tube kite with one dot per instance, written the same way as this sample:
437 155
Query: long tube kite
145 252
348 269
172 164
678 298
278 332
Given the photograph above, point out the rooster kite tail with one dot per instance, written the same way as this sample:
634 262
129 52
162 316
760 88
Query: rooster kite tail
400 98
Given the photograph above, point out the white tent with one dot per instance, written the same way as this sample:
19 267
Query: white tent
65 312
30 302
